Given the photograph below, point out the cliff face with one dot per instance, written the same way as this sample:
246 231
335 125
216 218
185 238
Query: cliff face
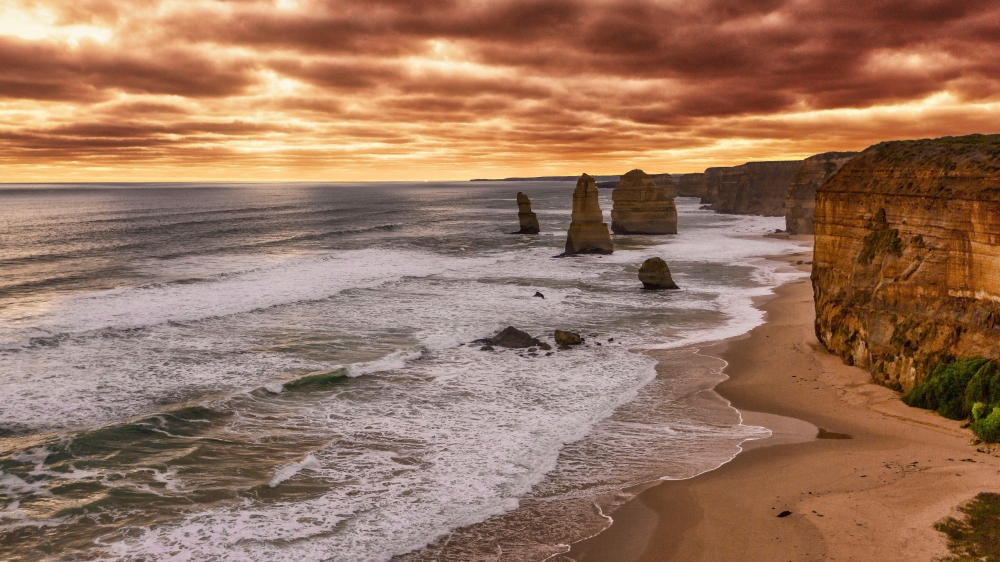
692 185
588 233
800 203
644 206
906 270
528 219
754 188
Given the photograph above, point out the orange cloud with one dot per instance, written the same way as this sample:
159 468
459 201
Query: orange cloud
449 89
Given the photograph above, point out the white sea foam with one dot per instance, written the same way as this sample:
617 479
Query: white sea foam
240 292
291 469
436 435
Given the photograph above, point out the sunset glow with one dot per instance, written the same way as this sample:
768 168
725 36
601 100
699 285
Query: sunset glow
446 89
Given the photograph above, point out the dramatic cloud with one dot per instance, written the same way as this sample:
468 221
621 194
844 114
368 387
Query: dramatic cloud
440 89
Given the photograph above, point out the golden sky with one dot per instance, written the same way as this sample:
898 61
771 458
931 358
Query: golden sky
173 90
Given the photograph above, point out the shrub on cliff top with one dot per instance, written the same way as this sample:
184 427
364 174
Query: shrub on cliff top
963 388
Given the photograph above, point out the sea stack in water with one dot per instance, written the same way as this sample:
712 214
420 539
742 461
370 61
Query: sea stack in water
644 206
529 222
655 275
588 233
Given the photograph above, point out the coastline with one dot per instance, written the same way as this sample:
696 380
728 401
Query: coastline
874 495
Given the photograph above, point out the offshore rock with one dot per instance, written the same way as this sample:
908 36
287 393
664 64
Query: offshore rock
564 338
643 205
754 188
511 337
906 272
800 204
655 275
528 219
588 234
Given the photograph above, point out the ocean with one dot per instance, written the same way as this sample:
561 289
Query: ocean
285 371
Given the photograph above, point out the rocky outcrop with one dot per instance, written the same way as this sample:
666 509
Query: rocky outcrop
654 275
644 206
528 219
754 188
564 338
588 233
693 185
906 272
800 202
511 337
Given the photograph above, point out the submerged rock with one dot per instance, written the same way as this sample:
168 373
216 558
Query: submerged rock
643 205
511 337
588 233
539 294
655 275
528 219
564 338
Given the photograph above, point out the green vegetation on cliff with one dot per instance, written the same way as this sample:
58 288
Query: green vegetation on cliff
961 389
882 240
976 537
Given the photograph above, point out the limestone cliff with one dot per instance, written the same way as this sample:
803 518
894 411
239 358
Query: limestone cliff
528 219
644 206
906 270
754 188
588 233
692 185
800 202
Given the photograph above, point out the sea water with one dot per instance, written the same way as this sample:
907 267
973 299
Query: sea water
286 371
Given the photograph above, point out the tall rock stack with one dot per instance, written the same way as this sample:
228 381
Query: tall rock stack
588 234
644 206
906 271
528 219
800 203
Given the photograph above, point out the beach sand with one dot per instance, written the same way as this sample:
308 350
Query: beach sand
873 496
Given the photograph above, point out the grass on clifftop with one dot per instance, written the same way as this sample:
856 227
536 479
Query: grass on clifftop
961 389
976 537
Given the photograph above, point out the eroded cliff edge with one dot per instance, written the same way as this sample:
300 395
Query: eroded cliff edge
906 272
800 204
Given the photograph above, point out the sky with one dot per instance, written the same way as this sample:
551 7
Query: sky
353 90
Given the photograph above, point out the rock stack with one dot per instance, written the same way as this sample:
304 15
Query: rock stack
529 222
588 233
655 275
644 206
800 203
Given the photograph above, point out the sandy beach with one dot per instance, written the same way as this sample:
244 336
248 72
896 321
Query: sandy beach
870 488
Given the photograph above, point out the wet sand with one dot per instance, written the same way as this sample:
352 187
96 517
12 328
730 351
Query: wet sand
873 496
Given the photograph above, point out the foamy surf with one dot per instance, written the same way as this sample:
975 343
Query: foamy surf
324 400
